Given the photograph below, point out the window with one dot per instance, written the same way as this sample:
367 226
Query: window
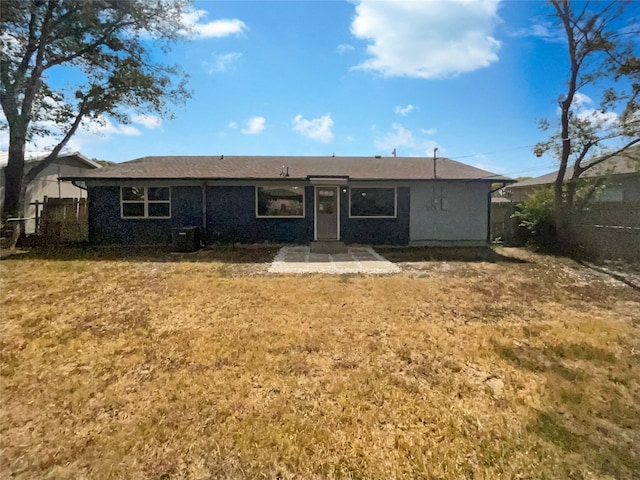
611 193
280 201
145 202
373 202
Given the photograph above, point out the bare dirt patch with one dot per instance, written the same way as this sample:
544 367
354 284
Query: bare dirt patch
156 366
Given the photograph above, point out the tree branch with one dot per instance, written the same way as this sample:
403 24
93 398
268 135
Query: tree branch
36 72
609 155
40 166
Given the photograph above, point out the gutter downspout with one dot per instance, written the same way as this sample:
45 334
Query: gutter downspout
73 182
504 184
203 188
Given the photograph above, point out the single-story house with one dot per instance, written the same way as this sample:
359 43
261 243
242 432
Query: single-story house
622 185
47 183
293 199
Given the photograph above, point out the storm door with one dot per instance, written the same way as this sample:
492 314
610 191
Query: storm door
327 213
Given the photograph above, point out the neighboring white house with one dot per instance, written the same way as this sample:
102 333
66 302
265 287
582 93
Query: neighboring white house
47 182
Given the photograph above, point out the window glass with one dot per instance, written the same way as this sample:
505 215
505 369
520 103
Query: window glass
326 201
611 193
280 201
373 202
133 209
158 193
132 193
145 202
158 209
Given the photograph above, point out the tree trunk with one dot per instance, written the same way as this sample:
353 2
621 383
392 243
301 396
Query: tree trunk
14 188
13 174
563 212
17 226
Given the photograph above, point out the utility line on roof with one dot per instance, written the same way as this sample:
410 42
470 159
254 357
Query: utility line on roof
510 174
491 153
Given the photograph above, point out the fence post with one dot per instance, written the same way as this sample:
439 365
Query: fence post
37 227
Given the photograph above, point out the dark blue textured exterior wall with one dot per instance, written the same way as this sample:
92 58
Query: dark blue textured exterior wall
376 231
231 216
106 227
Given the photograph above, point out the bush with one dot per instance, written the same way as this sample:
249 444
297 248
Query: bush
537 215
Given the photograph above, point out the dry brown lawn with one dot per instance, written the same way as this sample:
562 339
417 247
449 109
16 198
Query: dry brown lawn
151 365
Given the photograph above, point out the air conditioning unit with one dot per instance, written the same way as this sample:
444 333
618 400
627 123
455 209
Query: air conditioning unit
187 239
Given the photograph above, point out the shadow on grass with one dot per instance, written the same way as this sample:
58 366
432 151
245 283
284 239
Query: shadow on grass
218 254
448 254
599 430
230 253
616 273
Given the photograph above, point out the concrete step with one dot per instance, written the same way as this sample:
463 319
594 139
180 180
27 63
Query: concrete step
328 246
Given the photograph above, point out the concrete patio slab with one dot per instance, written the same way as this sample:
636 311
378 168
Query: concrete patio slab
356 260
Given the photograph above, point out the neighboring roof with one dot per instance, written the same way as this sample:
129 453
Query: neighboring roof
622 164
272 167
33 157
501 200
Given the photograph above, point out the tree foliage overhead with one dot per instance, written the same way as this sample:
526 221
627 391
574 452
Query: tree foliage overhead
65 62
602 52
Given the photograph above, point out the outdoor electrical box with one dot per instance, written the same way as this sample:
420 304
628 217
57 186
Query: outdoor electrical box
187 239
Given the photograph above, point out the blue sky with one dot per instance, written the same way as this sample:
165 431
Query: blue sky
358 78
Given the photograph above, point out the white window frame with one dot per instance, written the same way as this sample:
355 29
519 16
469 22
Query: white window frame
145 201
395 203
281 216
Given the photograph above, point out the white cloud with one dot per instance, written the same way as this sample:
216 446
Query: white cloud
344 48
428 131
597 118
220 28
402 138
233 124
404 111
215 29
148 121
316 129
487 165
221 63
255 125
90 132
104 126
433 39
127 130
580 100
545 31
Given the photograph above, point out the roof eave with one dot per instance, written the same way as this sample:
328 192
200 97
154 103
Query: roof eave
286 179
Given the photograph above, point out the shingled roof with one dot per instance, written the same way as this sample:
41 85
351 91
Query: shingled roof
629 163
298 168
33 157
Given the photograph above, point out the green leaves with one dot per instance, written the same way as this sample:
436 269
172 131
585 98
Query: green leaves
110 41
603 58
105 51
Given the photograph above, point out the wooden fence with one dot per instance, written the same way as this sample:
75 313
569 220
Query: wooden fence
607 230
64 220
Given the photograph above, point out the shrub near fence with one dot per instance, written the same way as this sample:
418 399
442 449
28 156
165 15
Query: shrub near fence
506 228
607 230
